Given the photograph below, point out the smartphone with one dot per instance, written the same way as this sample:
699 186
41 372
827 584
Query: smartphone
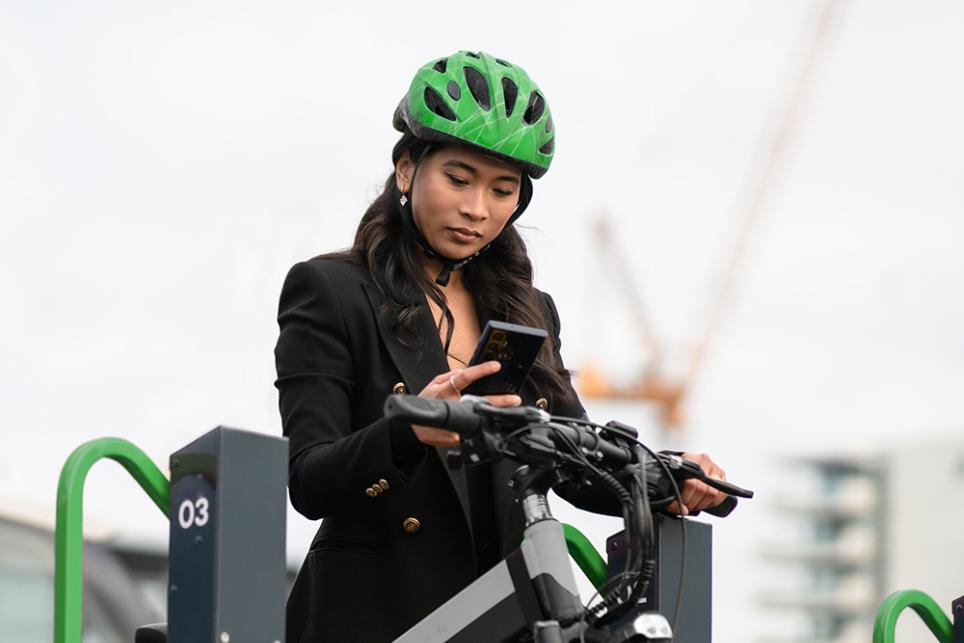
515 347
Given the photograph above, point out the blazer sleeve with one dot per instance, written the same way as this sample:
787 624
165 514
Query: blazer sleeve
330 464
594 498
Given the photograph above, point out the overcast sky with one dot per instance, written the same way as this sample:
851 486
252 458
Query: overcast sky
163 165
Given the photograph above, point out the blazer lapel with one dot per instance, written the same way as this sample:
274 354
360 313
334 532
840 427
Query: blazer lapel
419 363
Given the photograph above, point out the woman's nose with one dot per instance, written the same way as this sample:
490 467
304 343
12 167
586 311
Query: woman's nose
474 206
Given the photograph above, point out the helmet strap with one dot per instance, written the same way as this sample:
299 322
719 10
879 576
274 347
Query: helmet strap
448 265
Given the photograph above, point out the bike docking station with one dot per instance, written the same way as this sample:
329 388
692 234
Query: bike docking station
226 581
694 620
226 502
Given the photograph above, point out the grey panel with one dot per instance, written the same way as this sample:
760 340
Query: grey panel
227 544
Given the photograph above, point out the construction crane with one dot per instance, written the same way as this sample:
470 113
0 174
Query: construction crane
656 384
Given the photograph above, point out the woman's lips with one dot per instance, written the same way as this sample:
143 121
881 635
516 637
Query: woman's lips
463 235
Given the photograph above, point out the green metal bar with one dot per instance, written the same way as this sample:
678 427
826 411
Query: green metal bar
586 556
936 621
69 541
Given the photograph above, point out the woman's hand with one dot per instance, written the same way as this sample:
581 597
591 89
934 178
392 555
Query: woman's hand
699 495
448 386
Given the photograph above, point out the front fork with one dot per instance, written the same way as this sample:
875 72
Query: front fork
544 549
547 561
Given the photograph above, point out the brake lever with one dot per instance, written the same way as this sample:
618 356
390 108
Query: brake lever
693 470
726 487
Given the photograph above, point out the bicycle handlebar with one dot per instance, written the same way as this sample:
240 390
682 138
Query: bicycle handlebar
471 414
558 449
452 415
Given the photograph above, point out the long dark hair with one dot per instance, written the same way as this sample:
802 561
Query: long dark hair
500 279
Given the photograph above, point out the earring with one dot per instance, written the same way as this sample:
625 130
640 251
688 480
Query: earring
403 200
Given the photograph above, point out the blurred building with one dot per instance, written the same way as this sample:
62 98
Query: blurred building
124 586
868 525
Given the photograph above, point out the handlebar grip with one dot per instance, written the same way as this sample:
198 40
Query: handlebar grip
723 509
446 414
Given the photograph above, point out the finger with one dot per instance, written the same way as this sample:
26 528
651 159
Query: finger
707 501
443 386
434 432
504 400
687 492
673 508
449 439
717 473
436 437
712 498
443 378
693 493
717 499
439 391
466 376
706 463
439 442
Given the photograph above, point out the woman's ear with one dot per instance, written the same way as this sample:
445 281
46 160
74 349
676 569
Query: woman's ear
403 173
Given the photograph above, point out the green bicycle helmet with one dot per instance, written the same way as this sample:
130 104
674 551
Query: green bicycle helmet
483 101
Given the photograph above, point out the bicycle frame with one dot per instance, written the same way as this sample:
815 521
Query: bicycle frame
505 601
532 591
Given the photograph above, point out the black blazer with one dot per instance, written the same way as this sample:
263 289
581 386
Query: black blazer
396 540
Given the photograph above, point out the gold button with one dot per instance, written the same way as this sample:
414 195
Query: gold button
383 483
542 404
411 525
371 492
400 389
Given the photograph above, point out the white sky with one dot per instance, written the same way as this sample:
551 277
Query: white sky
162 165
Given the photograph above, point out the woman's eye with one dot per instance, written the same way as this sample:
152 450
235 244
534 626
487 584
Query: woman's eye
456 180
502 192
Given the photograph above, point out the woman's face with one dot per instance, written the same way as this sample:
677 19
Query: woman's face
461 199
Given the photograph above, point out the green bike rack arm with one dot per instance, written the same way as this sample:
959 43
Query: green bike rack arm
69 540
936 621
586 556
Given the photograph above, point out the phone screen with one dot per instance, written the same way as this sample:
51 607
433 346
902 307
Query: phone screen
512 345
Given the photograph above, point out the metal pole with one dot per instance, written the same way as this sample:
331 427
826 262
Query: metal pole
69 540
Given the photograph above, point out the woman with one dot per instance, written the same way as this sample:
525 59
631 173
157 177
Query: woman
435 256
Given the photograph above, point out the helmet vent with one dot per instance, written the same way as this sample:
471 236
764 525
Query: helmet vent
437 105
440 65
549 124
478 87
510 91
473 54
502 62
454 90
537 105
549 147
